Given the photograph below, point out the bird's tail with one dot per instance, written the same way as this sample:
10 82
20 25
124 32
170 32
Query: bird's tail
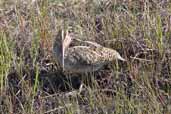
119 57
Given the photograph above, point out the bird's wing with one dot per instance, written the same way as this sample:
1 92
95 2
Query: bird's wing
83 55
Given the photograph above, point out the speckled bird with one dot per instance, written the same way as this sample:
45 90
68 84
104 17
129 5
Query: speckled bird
81 59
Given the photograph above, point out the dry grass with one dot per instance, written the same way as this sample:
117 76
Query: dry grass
31 82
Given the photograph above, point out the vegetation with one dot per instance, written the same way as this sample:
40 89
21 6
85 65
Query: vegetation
31 82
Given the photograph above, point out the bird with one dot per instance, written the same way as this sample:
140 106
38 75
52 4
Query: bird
85 58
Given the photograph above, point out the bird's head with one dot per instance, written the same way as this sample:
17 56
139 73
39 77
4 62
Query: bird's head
61 43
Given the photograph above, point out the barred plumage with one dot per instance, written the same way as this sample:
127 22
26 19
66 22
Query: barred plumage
88 58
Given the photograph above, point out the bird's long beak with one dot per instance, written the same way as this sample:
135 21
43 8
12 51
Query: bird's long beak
63 50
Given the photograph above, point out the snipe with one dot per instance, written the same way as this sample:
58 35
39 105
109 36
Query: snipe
81 59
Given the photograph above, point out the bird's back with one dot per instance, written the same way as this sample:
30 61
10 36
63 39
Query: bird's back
107 53
83 58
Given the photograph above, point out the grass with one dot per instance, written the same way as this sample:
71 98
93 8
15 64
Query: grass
31 82
6 59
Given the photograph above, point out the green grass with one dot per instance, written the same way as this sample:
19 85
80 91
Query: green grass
139 30
6 59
